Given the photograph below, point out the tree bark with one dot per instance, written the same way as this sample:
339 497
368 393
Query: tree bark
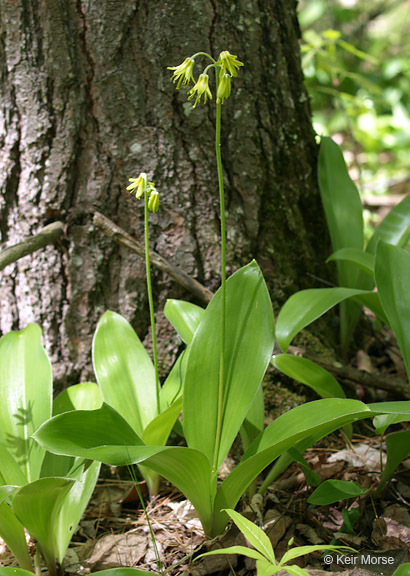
87 102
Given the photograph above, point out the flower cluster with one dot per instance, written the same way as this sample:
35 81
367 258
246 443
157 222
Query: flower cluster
228 65
141 186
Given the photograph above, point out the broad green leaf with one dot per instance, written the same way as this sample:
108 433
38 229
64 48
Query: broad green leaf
398 448
362 259
105 436
313 419
86 396
304 307
295 570
399 408
383 421
184 317
392 274
10 471
342 206
249 340
243 550
25 396
12 532
395 227
307 372
255 420
344 215
254 535
74 504
332 491
158 430
124 371
37 506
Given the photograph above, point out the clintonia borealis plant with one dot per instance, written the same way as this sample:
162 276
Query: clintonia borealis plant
224 367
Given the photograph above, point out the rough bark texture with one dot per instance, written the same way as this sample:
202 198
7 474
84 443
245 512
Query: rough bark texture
87 102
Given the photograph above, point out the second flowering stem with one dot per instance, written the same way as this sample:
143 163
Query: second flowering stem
150 300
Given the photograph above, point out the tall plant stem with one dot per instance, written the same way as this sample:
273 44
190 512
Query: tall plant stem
151 301
223 282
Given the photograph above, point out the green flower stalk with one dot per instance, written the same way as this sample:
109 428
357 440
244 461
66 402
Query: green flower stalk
142 187
225 68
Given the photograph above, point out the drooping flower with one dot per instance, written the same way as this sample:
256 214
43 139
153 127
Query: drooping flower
224 88
229 62
183 72
200 88
138 184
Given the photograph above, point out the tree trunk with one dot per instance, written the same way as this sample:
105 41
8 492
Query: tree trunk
87 102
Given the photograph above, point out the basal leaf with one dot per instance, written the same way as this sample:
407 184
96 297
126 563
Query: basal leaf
12 532
185 317
304 307
248 347
25 396
394 228
309 373
362 259
313 419
398 448
392 274
37 506
124 371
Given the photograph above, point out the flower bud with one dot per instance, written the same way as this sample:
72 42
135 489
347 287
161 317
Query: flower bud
153 202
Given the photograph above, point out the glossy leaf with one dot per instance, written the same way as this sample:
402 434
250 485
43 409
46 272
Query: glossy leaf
12 532
248 348
75 503
394 228
313 419
10 471
173 385
124 371
25 396
37 506
185 317
342 205
362 259
398 448
85 396
383 421
344 214
332 491
307 372
159 429
304 307
392 274
105 436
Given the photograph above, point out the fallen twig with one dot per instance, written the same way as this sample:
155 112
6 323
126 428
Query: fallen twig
48 235
121 237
